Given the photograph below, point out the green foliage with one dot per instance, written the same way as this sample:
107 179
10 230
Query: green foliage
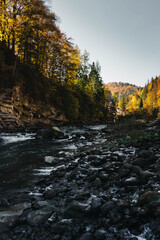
122 103
71 106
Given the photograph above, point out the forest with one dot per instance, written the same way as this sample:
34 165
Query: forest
36 54
145 102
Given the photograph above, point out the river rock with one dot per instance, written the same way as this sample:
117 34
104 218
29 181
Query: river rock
38 217
49 133
11 216
86 236
108 206
144 162
145 158
97 183
132 181
41 204
51 160
144 176
76 210
3 228
51 193
148 197
96 203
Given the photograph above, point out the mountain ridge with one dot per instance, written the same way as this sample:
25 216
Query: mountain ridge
122 88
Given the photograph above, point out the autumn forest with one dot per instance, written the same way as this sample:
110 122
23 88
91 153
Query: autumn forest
38 56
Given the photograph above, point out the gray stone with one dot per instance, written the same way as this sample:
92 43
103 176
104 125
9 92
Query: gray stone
132 181
97 182
105 208
3 228
49 133
144 176
38 217
96 203
86 236
41 204
51 160
144 158
51 193
76 210
12 215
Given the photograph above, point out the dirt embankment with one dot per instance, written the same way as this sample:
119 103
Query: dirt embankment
19 112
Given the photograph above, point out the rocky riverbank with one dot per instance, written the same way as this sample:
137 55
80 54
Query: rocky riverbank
19 112
106 190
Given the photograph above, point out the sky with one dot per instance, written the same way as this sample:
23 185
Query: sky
123 35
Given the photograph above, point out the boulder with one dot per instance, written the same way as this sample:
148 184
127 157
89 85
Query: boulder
49 133
86 236
41 204
144 158
51 193
76 209
108 206
3 228
96 203
144 176
38 217
148 197
132 181
51 160
10 217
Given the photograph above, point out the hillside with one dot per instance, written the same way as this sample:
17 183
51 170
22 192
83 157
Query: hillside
122 88
38 62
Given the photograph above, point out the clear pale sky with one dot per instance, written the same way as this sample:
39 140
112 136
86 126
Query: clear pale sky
123 35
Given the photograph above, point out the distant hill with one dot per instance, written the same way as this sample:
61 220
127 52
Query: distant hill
122 88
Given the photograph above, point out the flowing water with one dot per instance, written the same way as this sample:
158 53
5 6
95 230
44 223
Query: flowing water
22 155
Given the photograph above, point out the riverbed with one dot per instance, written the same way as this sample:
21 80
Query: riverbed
85 185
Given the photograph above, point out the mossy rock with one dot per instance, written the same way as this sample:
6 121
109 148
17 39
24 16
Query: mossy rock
148 197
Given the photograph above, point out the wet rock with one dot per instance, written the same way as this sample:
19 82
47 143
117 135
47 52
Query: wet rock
11 216
144 158
51 193
4 202
100 234
51 160
144 176
148 197
3 228
49 133
95 203
97 182
53 218
124 172
104 177
38 217
41 204
76 210
105 208
132 181
86 236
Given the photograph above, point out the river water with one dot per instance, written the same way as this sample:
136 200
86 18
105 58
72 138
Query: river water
22 156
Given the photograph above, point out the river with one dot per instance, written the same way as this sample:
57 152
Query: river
22 156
